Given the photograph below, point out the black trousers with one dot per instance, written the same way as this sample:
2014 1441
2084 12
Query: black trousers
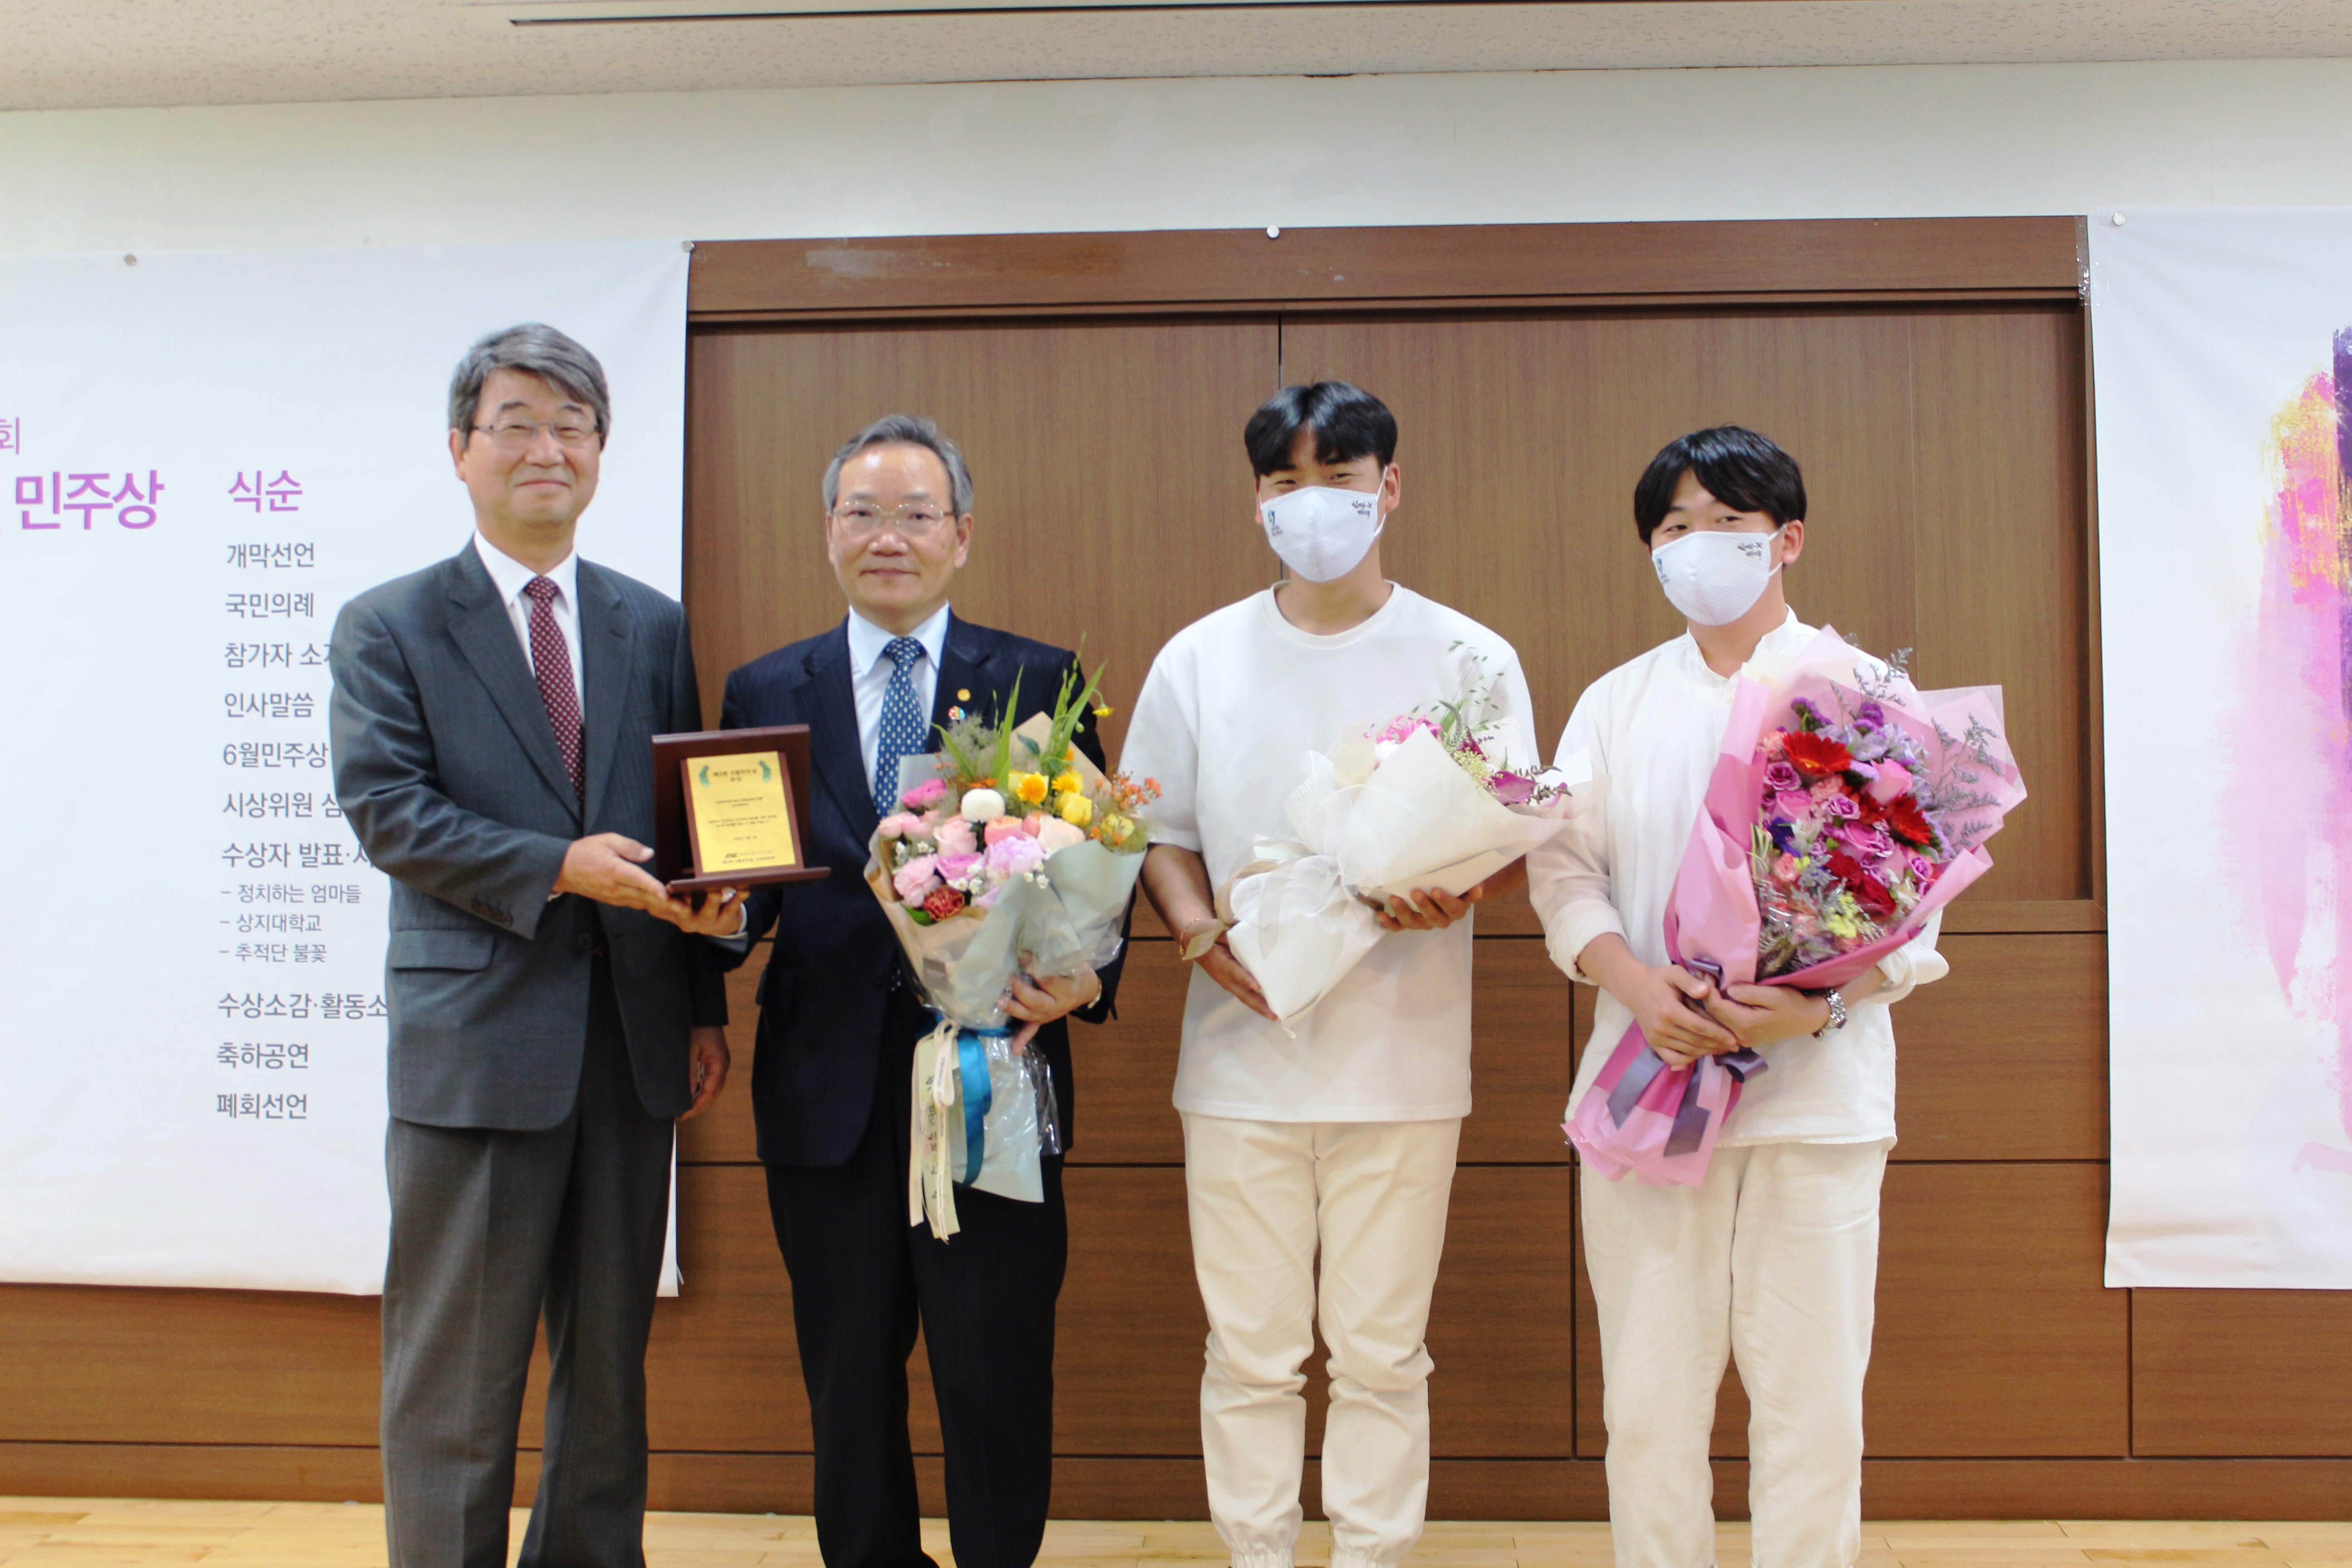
862 1279
491 1231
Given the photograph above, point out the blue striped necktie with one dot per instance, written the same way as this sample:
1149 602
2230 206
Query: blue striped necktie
901 732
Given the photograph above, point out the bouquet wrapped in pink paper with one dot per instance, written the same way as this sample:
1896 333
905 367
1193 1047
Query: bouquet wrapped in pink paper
1846 807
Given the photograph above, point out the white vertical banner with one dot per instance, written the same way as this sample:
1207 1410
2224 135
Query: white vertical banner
205 455
2223 349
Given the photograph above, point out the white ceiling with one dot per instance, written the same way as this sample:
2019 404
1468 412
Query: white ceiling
89 54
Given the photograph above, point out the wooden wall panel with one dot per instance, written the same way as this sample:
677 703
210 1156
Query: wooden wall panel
1502 1392
1522 438
2003 597
2006 1058
89 1364
1995 1337
1525 1018
2010 255
722 1371
1996 1334
2243 1371
1129 1333
1125 1068
1113 501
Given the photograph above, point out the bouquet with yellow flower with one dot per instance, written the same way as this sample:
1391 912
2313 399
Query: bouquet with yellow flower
1011 852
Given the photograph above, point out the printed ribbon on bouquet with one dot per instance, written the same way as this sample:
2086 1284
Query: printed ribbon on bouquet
951 1070
1663 1127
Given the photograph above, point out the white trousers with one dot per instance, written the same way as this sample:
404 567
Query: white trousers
1773 1258
1264 1197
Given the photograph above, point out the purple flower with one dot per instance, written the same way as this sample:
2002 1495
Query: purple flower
1511 789
1921 870
1841 805
1780 776
1873 715
1810 715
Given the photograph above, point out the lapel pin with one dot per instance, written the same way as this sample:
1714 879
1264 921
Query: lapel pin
963 695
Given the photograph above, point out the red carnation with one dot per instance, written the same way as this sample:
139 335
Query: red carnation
1907 822
1868 891
1874 897
1817 756
944 903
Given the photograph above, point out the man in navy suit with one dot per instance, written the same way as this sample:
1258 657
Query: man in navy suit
839 1018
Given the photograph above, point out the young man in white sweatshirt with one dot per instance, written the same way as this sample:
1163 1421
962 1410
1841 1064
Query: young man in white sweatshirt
1774 1257
1337 1133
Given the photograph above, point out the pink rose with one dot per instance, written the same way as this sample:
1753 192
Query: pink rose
1872 844
1893 779
1034 823
1013 855
1795 804
956 837
900 823
1002 829
1058 835
1784 870
956 868
931 792
916 879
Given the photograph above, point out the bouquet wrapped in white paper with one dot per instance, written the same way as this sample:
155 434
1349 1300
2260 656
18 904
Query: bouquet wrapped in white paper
1416 803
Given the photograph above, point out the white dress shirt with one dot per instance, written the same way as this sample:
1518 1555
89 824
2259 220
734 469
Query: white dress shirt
512 577
1652 727
870 669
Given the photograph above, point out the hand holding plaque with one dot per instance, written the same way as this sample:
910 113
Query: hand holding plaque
726 808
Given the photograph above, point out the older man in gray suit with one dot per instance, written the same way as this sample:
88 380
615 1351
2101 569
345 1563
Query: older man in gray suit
551 1014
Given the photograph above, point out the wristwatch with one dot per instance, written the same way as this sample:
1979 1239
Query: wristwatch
1837 1014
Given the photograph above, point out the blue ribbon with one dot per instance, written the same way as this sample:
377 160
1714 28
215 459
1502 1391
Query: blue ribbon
971 1062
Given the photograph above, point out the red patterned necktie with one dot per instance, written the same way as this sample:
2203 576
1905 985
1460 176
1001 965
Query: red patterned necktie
551 662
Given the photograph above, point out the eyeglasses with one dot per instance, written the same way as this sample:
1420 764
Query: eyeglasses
860 520
515 435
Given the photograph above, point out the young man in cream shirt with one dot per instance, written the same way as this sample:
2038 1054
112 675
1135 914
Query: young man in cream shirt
1775 1256
1337 1134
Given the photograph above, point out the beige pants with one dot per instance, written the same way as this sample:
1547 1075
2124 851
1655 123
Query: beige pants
1264 1196
1774 1259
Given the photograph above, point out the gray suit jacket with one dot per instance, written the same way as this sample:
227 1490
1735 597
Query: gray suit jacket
447 768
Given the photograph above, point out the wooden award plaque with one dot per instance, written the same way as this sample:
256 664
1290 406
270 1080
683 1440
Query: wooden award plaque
677 847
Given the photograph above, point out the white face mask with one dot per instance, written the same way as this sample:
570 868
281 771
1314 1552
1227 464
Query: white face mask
1322 533
1715 578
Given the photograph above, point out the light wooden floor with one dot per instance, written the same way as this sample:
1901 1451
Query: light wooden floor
87 1533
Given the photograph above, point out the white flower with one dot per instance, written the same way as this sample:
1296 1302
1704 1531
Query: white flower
983 806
